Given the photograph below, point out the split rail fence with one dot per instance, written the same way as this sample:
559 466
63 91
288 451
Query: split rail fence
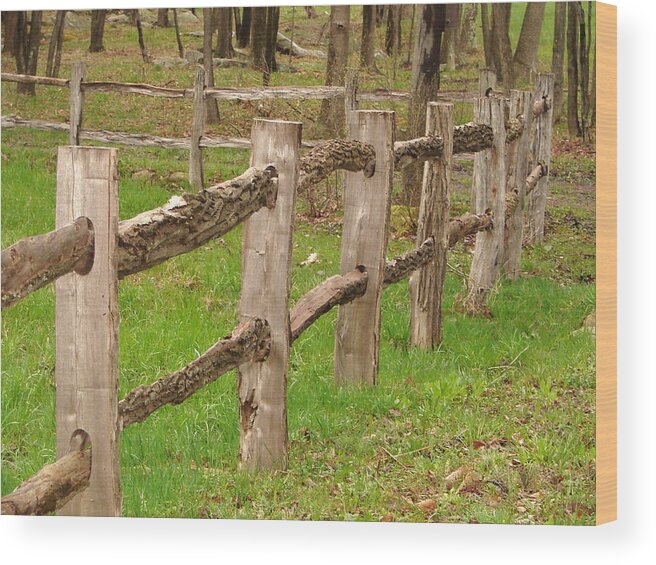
90 250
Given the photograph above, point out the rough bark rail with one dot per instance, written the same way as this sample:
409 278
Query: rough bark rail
34 262
249 341
55 484
539 171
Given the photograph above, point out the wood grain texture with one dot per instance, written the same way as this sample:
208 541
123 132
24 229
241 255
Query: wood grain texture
426 283
78 72
265 287
606 393
489 185
86 324
537 201
364 242
197 130
517 170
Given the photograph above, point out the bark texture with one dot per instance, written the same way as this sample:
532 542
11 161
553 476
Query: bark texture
55 48
35 262
189 221
417 150
97 31
558 56
211 107
332 111
368 37
55 484
336 290
249 342
529 39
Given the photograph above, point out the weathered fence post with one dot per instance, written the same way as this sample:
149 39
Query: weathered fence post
197 131
543 111
78 73
490 186
517 166
487 79
265 286
427 283
86 324
364 242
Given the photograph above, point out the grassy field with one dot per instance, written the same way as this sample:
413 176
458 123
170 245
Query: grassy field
495 426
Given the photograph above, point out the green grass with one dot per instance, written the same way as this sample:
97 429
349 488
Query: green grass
508 399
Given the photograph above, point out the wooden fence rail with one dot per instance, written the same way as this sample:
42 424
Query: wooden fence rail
264 198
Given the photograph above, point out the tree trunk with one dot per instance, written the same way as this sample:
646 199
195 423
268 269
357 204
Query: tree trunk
55 47
177 33
27 49
584 71
368 37
10 24
332 111
488 48
244 28
97 31
271 39
212 108
310 12
572 71
467 31
142 45
558 57
501 44
258 38
393 31
526 52
163 17
224 48
425 84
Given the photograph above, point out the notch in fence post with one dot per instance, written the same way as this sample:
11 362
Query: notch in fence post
86 325
427 283
489 183
78 74
517 156
265 287
537 200
364 242
197 131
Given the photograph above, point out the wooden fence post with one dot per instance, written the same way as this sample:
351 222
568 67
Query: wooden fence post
490 185
78 73
537 200
265 287
427 283
197 131
487 79
517 156
86 324
364 242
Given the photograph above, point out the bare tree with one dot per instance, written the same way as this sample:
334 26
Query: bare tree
451 36
244 28
142 46
258 38
224 33
501 48
27 47
212 108
163 17
486 26
10 24
393 31
572 70
97 31
55 47
558 57
332 111
526 51
425 83
368 36
271 39
311 12
177 33
467 30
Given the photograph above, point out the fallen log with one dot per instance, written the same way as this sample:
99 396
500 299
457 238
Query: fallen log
417 150
248 342
54 485
285 45
35 262
339 289
332 155
30 79
186 222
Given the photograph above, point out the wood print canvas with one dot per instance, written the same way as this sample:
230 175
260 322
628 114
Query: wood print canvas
310 263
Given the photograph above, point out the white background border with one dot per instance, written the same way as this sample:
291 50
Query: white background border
630 539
